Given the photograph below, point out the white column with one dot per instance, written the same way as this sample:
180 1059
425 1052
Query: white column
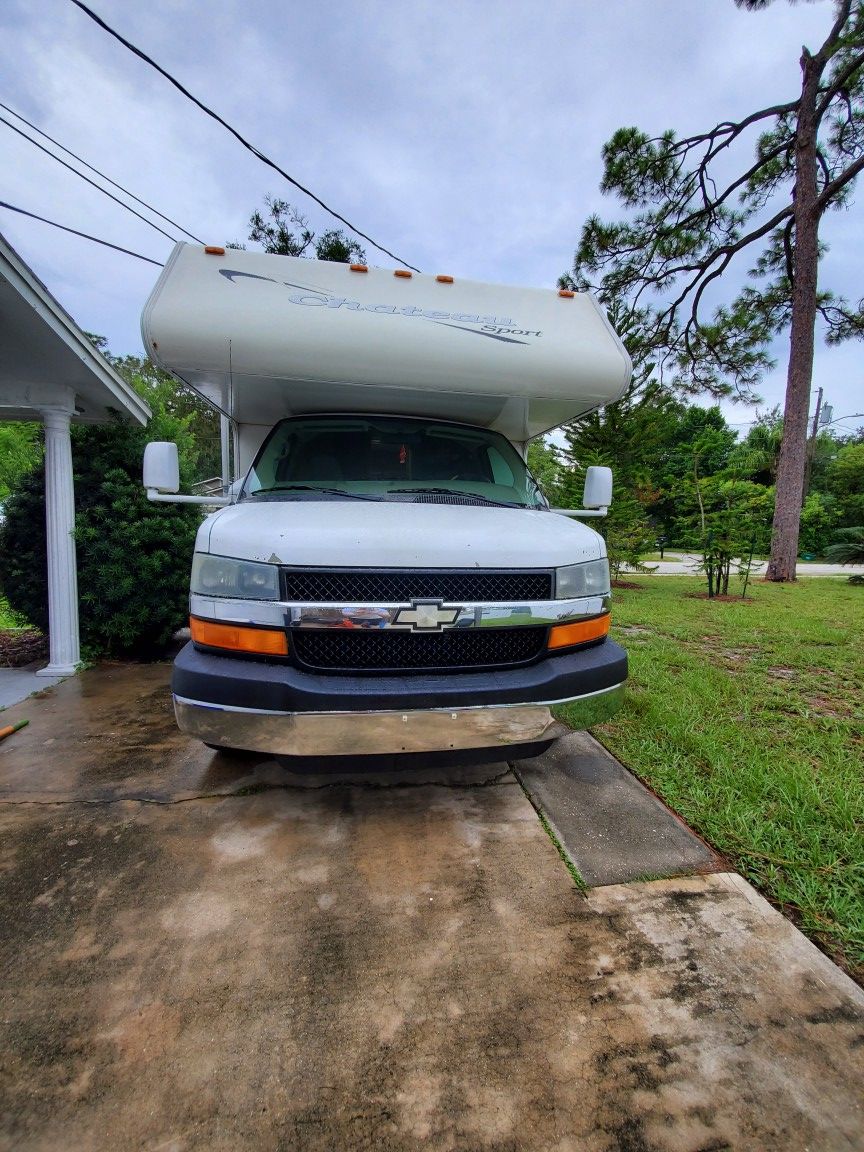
224 436
60 528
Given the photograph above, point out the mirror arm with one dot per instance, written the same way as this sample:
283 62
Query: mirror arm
580 511
161 498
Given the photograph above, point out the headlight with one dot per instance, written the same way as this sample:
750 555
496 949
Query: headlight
241 579
591 579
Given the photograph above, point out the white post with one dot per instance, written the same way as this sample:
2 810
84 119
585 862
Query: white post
224 436
60 528
235 451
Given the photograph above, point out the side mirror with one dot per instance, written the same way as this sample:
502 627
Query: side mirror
161 467
598 488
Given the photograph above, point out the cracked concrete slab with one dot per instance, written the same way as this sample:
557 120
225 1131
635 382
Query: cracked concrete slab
356 966
612 827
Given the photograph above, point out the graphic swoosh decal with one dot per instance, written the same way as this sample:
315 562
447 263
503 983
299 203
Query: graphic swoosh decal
309 288
477 332
231 275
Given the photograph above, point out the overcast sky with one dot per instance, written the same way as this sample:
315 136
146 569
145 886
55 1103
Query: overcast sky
465 136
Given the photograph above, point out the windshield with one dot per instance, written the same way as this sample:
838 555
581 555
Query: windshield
389 458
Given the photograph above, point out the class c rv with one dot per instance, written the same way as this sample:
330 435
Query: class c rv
383 574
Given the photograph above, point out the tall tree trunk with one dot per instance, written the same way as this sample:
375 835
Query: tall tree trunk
793 451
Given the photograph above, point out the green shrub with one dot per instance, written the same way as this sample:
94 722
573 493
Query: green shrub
629 535
849 548
845 481
20 451
133 556
818 523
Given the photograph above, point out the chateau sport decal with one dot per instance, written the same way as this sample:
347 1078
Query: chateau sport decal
501 328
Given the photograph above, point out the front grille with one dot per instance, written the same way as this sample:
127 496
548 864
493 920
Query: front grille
398 586
395 651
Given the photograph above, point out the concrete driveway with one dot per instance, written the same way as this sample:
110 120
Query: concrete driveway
204 954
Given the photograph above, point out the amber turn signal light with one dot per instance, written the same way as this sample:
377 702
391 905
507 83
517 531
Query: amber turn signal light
566 635
263 641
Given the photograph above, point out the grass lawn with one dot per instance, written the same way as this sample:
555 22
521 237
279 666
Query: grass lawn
747 717
7 617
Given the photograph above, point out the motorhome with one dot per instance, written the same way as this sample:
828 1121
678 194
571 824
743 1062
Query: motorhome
382 574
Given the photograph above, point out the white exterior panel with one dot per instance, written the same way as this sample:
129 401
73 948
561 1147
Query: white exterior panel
265 337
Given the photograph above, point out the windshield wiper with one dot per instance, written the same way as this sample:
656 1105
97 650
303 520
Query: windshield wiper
312 488
456 492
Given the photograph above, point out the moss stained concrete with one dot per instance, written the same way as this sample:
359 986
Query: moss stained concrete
374 963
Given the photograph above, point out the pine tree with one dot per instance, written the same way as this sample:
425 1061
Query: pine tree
690 220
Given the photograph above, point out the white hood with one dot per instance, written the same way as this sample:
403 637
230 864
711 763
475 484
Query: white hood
372 534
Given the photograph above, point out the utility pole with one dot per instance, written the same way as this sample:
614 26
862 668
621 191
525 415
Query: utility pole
811 445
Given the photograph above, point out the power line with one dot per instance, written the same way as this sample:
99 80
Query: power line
105 191
75 232
251 147
102 175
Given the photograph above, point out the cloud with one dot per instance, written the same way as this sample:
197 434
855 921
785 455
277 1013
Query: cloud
466 137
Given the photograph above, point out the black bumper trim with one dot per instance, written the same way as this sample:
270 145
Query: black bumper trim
217 679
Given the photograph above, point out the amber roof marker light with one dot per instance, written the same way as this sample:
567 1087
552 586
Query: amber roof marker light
214 250
566 293
358 268
444 279
403 273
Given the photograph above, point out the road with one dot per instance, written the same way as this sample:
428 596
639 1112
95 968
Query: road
686 564
201 953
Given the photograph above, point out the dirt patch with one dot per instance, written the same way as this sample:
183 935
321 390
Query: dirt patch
825 706
20 646
737 655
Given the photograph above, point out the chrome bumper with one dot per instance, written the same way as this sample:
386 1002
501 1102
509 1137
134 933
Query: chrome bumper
390 732
282 613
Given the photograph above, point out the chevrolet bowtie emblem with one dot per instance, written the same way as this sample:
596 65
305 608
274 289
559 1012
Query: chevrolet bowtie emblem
426 616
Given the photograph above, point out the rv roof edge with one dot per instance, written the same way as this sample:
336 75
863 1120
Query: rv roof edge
264 337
